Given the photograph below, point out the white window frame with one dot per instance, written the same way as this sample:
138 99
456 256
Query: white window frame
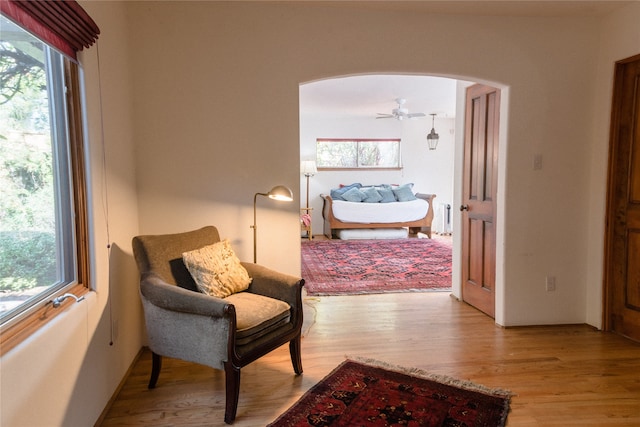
325 161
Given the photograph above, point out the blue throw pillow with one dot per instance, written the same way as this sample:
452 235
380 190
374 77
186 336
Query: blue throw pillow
387 194
404 193
354 195
371 195
336 193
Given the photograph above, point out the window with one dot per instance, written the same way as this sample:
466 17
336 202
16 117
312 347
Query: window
358 153
43 228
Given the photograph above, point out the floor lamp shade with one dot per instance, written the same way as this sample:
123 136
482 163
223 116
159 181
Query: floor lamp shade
308 167
280 193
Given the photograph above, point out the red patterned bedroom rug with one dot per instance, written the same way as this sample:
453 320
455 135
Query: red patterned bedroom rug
349 267
357 394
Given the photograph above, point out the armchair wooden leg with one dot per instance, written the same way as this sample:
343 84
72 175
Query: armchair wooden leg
156 365
232 380
296 354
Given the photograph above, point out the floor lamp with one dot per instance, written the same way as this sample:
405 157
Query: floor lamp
308 169
280 193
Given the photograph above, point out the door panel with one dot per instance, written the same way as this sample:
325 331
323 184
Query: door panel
622 262
478 197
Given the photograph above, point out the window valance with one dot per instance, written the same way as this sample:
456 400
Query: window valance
62 24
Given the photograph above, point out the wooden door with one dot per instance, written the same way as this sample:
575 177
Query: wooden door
622 260
478 207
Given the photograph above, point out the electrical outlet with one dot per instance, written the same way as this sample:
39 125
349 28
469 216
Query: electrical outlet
551 283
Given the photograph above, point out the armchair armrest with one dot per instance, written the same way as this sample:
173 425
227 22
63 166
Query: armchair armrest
175 298
274 284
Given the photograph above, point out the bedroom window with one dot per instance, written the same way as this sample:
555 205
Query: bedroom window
43 226
357 153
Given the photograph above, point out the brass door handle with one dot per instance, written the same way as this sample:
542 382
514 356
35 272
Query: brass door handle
464 208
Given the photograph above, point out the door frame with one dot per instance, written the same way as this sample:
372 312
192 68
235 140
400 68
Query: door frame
609 236
500 286
481 138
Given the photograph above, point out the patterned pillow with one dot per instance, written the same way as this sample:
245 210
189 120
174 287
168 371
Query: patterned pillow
217 270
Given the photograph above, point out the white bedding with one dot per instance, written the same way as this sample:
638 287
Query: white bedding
367 213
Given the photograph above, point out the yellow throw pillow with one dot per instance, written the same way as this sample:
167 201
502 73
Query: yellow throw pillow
217 270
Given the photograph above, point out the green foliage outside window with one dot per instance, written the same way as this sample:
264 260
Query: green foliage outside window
27 194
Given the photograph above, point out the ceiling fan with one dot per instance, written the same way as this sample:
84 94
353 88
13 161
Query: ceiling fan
400 113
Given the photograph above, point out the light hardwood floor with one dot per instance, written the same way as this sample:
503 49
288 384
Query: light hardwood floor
561 375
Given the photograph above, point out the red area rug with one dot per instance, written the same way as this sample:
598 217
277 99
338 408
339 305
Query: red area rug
347 267
357 394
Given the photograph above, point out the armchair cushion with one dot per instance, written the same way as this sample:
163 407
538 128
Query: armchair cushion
257 315
217 270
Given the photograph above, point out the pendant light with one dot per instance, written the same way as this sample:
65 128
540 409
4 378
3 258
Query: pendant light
433 137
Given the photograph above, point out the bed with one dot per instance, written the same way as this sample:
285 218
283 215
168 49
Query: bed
415 215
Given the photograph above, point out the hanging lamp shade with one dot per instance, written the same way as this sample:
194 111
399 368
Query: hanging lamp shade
433 137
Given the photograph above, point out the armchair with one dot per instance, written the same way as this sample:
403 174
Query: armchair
225 334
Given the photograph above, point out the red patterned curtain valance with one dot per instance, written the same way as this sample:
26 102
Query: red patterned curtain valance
63 24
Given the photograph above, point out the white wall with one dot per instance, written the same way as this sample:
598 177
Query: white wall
431 171
65 374
219 121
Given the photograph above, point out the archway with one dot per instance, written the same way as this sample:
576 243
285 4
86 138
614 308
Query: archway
449 125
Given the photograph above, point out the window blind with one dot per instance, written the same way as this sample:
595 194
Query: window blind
64 25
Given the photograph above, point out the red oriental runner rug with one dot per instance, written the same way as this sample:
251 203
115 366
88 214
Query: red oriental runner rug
357 394
347 267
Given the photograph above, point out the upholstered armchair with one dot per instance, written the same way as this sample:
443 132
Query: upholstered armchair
225 334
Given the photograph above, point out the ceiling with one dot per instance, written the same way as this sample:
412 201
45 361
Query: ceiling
365 96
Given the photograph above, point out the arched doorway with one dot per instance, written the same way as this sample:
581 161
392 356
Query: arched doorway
334 114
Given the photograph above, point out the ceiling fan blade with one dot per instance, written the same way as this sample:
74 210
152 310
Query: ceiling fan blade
412 115
385 116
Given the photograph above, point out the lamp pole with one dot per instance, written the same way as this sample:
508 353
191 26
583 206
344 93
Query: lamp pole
279 192
308 168
308 175
255 227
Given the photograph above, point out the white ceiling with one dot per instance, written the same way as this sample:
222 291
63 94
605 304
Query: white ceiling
365 96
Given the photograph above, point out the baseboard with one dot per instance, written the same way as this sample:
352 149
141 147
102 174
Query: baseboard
114 396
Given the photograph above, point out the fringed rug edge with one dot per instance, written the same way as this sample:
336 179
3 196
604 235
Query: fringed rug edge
442 379
415 372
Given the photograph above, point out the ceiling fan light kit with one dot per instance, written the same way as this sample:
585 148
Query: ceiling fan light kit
400 113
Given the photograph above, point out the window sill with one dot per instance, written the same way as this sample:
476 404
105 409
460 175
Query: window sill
14 334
